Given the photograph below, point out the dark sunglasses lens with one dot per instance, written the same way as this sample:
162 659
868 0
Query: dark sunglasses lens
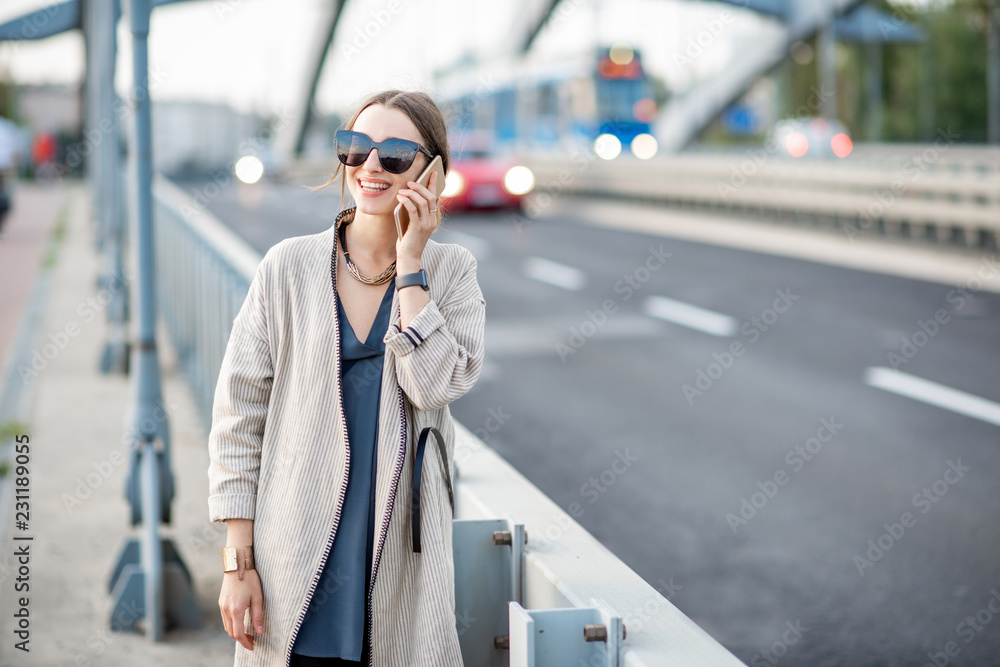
352 148
397 155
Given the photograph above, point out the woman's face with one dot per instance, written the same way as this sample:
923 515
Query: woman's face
380 123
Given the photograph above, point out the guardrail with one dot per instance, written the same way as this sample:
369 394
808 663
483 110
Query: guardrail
553 576
204 272
532 586
914 194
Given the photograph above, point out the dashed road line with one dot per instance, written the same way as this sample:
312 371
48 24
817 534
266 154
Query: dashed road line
933 393
554 273
686 315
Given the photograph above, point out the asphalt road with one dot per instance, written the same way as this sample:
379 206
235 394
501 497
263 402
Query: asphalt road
763 463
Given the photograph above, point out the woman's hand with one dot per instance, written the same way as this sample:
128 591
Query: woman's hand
234 599
422 206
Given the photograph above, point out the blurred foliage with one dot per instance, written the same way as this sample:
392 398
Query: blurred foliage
11 428
949 68
937 84
660 90
8 101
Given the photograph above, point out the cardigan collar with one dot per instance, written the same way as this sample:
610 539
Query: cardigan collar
345 216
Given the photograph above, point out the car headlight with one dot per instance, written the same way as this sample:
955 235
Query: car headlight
607 146
453 184
249 169
519 180
644 146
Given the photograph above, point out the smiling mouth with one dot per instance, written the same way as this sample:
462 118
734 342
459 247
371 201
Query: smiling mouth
372 187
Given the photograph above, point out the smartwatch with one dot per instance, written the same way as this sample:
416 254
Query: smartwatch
418 278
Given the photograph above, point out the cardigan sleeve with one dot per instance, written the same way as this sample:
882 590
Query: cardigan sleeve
239 411
438 357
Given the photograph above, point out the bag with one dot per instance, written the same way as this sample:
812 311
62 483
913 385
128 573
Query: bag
418 461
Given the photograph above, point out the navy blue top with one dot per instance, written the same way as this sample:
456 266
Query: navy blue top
336 624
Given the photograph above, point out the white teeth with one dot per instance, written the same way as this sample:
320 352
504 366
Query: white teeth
373 187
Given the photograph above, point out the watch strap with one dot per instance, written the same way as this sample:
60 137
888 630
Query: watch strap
418 278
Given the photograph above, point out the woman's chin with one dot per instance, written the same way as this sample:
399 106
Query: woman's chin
378 207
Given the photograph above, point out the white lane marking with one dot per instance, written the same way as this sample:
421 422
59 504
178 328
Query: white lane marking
689 316
554 273
480 248
933 393
527 337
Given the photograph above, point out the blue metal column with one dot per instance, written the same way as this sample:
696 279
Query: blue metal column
95 35
566 637
115 356
150 582
487 578
315 64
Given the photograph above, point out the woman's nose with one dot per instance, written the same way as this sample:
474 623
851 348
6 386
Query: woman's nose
372 162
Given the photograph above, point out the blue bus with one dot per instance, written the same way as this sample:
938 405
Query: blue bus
555 104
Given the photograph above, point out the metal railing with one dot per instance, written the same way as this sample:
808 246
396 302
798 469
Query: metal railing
204 272
939 193
557 599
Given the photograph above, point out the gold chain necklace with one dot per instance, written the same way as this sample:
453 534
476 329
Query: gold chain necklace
368 280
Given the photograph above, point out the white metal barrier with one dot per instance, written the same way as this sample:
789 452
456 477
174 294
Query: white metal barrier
925 193
566 573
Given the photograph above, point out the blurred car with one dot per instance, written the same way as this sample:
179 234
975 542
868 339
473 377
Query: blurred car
479 179
810 137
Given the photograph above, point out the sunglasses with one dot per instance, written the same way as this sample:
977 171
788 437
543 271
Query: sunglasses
396 155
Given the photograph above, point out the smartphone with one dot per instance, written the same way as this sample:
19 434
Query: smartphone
401 214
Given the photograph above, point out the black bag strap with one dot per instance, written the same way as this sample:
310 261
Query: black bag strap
418 461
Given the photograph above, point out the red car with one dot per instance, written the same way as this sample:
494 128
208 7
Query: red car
479 180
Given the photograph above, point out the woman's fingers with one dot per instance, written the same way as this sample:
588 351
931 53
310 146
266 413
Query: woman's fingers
421 197
237 633
431 189
414 203
407 203
427 192
257 611
224 609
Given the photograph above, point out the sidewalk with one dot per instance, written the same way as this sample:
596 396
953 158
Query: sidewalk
25 236
79 461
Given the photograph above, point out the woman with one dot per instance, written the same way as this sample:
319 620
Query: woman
331 370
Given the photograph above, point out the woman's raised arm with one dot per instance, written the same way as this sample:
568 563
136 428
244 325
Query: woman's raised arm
439 354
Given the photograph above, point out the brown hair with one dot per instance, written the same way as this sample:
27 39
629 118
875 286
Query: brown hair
421 109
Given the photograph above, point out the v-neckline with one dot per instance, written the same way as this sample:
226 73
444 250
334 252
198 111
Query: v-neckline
378 316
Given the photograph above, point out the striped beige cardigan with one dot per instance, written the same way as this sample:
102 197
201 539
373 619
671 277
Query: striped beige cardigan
278 451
